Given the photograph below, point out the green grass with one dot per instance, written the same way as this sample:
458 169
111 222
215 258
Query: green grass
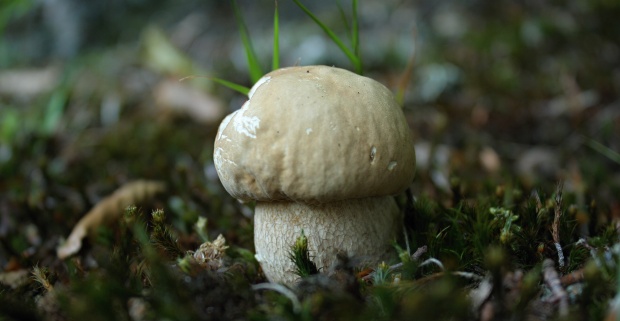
253 65
352 55
254 68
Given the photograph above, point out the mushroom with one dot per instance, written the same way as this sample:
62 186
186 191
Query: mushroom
321 150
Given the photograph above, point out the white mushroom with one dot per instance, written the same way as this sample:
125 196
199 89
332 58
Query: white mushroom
322 150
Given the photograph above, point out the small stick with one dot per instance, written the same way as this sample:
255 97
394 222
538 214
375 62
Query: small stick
572 278
414 257
556 224
468 275
419 252
433 261
550 275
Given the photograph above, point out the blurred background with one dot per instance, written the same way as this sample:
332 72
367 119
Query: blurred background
498 94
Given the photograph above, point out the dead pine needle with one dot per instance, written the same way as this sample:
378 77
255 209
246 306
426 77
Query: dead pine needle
551 278
556 224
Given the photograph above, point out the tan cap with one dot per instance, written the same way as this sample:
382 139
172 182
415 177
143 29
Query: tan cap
315 134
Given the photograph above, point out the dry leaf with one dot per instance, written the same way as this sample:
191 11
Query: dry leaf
108 210
489 159
14 279
181 97
28 82
537 163
163 56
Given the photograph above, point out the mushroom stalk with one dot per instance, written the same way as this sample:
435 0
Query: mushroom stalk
361 228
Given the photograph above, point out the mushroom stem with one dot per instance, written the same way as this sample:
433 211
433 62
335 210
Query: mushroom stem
362 228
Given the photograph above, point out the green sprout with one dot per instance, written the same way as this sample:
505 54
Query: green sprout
505 218
162 236
201 228
301 257
381 275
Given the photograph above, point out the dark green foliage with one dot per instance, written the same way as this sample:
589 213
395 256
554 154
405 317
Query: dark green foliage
134 273
163 237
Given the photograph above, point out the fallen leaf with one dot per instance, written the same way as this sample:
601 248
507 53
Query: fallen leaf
14 279
536 164
181 97
489 159
24 83
108 210
163 56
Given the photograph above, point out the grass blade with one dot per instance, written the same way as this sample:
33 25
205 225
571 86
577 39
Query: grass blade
355 37
405 77
357 63
404 81
55 110
602 149
275 64
239 88
343 16
255 70
229 84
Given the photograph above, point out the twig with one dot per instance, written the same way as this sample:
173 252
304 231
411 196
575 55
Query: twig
414 257
593 251
572 278
550 275
282 290
419 252
462 274
468 275
433 261
556 224
604 260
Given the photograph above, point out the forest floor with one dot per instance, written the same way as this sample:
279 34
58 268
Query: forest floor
514 212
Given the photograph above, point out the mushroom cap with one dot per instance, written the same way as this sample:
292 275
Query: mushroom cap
315 134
